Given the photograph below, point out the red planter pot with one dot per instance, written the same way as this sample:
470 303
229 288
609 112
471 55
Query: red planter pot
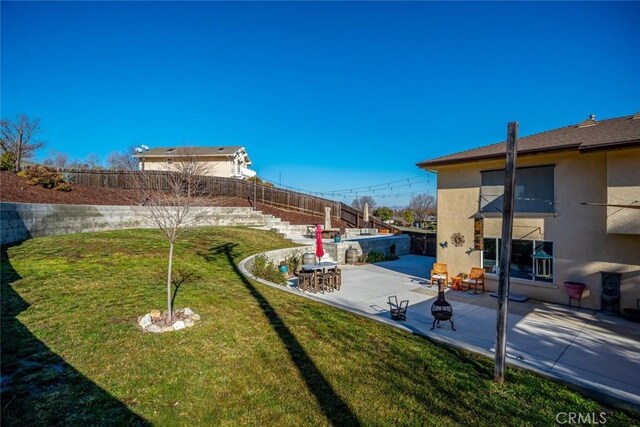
574 289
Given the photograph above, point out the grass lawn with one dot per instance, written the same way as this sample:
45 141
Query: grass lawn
72 354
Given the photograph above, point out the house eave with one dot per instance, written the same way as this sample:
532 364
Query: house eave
472 159
173 156
610 146
572 147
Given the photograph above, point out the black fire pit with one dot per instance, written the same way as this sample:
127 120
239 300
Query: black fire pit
441 310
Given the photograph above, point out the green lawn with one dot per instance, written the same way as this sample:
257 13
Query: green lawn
71 352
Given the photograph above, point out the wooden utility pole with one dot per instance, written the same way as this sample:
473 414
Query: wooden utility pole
505 252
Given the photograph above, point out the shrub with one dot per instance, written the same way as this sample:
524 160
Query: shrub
45 177
292 262
265 269
68 177
373 257
7 162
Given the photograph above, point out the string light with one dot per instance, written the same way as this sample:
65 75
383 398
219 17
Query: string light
411 182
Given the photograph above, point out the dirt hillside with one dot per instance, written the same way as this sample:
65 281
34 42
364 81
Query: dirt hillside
16 189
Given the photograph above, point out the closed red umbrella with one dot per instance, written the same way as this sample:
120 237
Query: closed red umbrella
319 250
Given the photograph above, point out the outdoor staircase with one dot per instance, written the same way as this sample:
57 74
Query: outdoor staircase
293 233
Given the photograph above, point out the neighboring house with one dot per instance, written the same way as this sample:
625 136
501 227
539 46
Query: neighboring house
217 161
577 201
429 222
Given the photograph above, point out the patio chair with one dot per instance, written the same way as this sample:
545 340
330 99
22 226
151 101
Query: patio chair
325 282
311 231
337 277
305 280
474 280
439 271
398 311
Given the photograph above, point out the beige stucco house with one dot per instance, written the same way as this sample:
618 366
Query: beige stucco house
577 212
217 161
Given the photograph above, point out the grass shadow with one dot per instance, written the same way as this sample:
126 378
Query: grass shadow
37 386
330 403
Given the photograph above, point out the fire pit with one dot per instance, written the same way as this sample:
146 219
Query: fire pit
441 310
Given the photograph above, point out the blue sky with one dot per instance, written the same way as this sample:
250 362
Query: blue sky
324 96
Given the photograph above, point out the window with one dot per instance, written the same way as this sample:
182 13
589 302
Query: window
533 192
530 259
169 161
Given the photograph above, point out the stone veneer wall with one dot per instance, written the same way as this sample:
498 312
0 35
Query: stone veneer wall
21 221
338 251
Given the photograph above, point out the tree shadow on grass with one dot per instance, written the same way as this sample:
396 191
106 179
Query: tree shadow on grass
37 386
331 404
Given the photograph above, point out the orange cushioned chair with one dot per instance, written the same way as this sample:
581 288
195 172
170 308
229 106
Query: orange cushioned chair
439 271
475 279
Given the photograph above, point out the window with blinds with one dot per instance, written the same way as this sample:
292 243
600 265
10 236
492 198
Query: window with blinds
533 192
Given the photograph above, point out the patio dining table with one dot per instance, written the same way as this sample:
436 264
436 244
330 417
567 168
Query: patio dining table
320 266
317 269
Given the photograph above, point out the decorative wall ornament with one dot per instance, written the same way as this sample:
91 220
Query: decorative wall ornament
478 233
457 239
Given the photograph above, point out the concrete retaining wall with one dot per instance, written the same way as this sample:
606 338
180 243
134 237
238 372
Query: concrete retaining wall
338 251
21 221
354 233
278 255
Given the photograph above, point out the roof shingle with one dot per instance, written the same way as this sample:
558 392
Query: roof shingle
606 133
189 151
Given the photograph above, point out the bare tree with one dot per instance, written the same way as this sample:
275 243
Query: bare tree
360 201
77 164
123 160
93 161
422 206
18 138
169 199
57 159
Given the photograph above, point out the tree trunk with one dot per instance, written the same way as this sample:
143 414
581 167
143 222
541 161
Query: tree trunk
169 313
19 153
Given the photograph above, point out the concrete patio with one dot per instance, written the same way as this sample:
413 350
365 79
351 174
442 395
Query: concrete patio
593 352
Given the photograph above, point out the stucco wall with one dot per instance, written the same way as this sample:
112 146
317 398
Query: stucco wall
20 221
582 246
623 183
214 166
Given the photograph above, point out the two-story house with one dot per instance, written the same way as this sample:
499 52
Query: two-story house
577 212
216 161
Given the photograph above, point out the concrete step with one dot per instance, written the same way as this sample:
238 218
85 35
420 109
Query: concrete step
294 233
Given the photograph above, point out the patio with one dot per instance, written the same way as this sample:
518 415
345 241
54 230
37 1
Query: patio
582 347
